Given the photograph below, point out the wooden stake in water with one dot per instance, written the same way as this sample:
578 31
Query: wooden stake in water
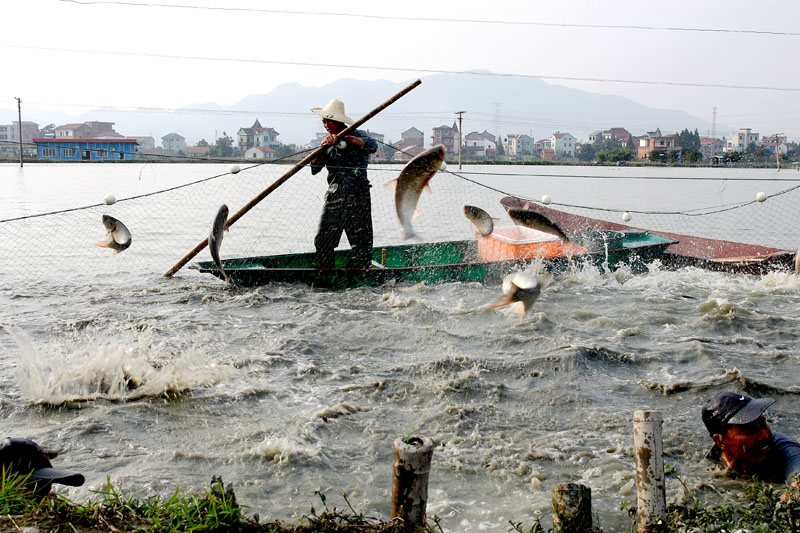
572 508
412 464
651 514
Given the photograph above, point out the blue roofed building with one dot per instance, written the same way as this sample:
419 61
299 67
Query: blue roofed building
66 149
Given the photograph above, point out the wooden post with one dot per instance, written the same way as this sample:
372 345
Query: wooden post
651 507
572 508
412 464
291 172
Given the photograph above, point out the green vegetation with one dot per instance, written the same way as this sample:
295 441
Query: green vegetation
768 508
216 510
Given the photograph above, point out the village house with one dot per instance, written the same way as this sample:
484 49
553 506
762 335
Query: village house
710 147
617 134
479 145
259 152
518 144
87 130
198 151
173 143
447 136
563 144
774 143
407 153
411 137
257 135
10 133
740 141
654 140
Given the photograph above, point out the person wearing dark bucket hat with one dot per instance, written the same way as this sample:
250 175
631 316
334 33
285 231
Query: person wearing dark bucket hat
744 441
348 207
25 458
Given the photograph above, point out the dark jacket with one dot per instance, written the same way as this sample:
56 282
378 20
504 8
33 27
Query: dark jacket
347 167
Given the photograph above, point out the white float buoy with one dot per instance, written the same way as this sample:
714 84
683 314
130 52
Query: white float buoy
235 169
626 216
761 196
546 199
110 199
443 167
341 145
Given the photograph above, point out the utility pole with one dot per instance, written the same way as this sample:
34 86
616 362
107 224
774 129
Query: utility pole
19 114
777 156
459 113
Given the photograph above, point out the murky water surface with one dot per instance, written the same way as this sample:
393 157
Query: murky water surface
285 390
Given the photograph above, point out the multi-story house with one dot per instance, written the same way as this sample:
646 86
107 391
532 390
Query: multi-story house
740 141
563 145
774 143
518 144
10 135
87 130
480 145
617 134
411 137
710 147
654 140
448 136
258 135
173 143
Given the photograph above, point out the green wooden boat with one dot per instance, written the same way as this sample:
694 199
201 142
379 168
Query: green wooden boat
431 262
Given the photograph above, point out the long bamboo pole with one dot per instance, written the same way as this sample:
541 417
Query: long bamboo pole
294 170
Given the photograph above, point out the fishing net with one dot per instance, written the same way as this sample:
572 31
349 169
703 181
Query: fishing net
176 215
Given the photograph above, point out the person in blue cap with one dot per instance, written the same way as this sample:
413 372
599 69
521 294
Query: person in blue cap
24 457
744 441
348 205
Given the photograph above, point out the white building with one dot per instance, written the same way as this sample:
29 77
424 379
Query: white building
480 145
259 152
563 144
741 140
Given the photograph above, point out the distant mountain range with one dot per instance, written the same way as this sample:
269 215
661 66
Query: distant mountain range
503 104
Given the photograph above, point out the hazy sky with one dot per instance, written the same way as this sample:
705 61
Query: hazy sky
75 55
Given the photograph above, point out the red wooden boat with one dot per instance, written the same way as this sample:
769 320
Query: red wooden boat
710 254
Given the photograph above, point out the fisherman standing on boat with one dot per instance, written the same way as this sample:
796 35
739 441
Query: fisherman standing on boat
347 203
744 441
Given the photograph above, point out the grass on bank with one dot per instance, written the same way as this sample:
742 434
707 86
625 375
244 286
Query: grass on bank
769 508
215 510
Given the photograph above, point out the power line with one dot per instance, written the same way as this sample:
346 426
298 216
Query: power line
439 19
404 69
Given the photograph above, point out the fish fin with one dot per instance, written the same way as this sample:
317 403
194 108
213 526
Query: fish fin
503 301
415 214
520 309
101 244
427 188
391 184
495 220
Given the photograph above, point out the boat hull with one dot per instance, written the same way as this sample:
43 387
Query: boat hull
452 261
700 252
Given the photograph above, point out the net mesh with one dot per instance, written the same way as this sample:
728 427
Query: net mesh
169 222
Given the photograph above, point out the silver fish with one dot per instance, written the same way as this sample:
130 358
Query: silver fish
412 180
117 236
215 238
797 263
537 221
481 219
523 289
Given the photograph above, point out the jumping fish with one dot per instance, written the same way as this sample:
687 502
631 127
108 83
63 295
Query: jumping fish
481 219
117 236
215 238
522 289
537 221
797 263
412 180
